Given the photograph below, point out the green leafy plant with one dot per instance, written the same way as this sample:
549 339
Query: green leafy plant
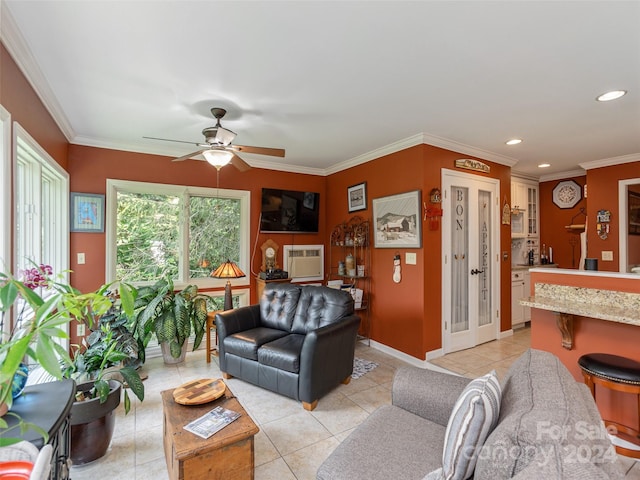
170 315
110 351
40 320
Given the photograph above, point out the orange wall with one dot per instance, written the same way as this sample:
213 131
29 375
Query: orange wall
407 316
25 107
553 220
590 336
90 167
603 195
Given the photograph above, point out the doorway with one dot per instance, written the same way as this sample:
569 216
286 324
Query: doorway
470 268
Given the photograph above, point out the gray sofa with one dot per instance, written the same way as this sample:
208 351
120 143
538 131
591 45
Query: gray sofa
548 427
299 341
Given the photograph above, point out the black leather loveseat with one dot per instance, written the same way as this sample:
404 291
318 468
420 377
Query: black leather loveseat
299 341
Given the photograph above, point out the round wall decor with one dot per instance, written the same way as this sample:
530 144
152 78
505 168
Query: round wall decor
567 194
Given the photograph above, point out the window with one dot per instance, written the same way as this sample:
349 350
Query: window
5 186
41 202
180 231
5 200
41 209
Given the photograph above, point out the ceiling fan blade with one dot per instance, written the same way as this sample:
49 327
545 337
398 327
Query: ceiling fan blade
187 157
170 140
240 164
274 152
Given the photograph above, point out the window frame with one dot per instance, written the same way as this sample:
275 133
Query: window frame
42 165
114 186
5 185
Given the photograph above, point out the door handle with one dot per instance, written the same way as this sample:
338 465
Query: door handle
475 271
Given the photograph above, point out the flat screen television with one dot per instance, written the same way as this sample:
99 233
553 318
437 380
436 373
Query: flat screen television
289 211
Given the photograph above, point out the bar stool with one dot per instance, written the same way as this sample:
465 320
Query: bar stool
622 375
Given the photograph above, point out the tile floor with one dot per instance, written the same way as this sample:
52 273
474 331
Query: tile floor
292 442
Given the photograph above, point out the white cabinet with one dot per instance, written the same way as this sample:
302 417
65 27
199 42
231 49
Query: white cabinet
517 292
525 217
520 283
532 211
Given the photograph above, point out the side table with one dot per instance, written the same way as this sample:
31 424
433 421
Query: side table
35 406
211 326
228 454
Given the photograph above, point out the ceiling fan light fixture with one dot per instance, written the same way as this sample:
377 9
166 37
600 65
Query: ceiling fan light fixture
217 158
224 136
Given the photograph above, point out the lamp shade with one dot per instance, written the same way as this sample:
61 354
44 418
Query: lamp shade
228 270
217 157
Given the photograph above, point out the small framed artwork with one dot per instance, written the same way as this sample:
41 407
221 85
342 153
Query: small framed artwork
357 197
397 221
87 212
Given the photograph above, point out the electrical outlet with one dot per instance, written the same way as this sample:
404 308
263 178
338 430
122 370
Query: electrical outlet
410 258
607 256
80 330
81 259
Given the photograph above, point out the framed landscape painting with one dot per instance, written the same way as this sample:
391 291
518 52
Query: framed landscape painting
397 221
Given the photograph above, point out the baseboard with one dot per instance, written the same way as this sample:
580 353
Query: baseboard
424 364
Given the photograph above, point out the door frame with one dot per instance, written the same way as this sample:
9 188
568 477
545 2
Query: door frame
446 263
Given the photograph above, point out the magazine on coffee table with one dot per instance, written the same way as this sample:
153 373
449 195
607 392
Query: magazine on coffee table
212 422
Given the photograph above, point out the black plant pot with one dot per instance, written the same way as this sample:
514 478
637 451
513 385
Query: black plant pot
92 424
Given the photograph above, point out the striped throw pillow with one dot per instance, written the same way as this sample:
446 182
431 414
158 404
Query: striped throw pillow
474 416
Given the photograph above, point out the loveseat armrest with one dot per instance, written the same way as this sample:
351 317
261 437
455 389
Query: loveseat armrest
237 320
427 393
326 358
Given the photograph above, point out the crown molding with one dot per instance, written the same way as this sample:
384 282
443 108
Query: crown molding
562 175
419 139
168 152
608 162
377 153
19 50
468 150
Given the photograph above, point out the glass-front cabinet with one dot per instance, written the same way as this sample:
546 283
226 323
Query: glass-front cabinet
525 218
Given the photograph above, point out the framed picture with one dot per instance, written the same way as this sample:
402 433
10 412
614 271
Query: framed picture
87 212
357 197
634 213
397 221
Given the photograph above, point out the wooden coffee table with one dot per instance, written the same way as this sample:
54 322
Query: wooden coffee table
227 454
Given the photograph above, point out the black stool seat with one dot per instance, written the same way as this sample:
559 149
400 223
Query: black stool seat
611 367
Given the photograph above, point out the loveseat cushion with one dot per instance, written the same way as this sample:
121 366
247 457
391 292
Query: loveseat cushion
283 353
278 305
543 417
245 344
391 444
320 306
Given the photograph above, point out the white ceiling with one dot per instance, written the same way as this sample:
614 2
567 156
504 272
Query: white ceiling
337 83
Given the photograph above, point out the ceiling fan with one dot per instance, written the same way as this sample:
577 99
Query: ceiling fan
217 148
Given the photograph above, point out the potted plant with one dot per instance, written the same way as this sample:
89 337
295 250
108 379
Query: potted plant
39 320
105 361
171 316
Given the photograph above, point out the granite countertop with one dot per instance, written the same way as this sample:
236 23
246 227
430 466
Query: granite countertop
535 265
613 306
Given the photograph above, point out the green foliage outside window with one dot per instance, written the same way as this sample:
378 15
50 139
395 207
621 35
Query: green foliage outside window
149 235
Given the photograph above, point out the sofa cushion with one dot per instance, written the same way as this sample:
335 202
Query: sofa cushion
245 344
391 444
544 410
320 306
278 305
283 353
474 415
